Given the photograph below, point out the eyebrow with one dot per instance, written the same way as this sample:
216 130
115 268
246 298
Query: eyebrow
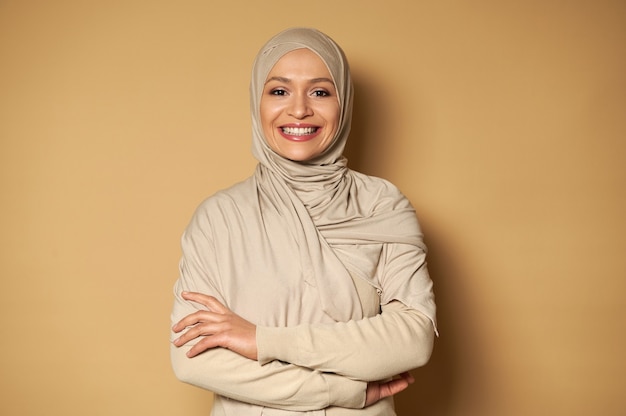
288 80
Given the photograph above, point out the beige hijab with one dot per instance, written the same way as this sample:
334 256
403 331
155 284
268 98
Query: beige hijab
339 218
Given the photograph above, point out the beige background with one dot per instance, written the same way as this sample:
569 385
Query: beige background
504 123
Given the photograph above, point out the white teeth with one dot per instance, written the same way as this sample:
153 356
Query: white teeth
299 131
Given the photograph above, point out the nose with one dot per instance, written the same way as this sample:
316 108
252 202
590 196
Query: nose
300 107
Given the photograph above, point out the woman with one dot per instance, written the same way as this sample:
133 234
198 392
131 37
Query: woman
303 289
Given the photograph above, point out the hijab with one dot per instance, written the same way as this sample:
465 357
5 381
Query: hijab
334 214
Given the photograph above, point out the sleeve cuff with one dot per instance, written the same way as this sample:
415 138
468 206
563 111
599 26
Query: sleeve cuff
281 344
275 343
345 392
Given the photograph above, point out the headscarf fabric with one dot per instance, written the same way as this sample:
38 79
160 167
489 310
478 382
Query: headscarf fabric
332 212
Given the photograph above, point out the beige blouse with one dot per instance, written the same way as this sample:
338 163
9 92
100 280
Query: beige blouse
327 262
308 362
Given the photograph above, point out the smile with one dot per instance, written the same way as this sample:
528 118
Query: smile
299 131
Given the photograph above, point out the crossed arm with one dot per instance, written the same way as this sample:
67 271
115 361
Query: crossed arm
338 364
392 333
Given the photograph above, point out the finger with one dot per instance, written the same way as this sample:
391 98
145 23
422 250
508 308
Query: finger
189 335
393 387
187 321
210 302
193 319
397 386
202 330
205 344
197 297
408 377
185 338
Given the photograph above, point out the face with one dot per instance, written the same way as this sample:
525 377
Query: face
299 106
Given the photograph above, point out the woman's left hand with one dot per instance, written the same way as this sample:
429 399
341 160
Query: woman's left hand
218 326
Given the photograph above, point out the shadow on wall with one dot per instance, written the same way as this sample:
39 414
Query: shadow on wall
364 147
436 383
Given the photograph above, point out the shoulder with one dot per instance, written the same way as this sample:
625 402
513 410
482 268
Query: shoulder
381 192
223 203
374 183
235 195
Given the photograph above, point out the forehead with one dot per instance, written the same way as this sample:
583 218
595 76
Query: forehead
300 62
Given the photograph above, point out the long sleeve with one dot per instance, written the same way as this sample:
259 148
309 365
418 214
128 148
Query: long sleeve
379 346
397 340
226 373
278 385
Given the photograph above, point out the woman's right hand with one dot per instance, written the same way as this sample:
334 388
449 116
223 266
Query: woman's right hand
378 390
217 326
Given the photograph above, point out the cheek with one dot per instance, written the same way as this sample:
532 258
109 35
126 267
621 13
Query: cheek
266 119
268 113
333 118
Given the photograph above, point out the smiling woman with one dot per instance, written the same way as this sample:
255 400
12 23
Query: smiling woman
299 106
303 288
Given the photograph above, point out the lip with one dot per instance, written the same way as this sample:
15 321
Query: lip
300 138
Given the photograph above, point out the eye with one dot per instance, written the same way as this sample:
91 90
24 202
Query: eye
278 92
321 93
